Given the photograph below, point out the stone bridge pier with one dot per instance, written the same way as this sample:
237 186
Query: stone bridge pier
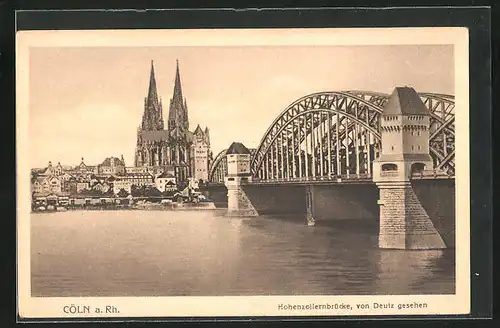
404 223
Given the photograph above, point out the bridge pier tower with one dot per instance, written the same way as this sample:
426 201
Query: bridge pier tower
238 174
404 223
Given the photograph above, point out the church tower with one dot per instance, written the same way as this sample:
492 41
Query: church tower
178 122
178 128
152 119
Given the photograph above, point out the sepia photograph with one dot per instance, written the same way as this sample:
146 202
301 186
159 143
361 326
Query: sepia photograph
243 172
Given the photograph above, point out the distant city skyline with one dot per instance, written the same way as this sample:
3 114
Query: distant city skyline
88 101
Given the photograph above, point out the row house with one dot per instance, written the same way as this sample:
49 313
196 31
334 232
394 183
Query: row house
101 186
81 186
74 184
52 170
111 174
122 184
46 184
153 170
138 179
128 180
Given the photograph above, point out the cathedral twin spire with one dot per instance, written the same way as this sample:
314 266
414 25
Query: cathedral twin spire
152 119
177 115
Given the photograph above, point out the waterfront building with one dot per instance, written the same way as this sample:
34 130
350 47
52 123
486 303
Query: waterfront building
64 176
70 186
46 184
101 186
94 180
174 146
137 169
54 185
53 179
49 170
165 181
37 185
110 179
84 169
111 165
59 169
137 179
81 186
122 184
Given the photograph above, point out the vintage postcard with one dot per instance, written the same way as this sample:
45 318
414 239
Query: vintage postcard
242 172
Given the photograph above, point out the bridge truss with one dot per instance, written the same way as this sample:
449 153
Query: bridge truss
328 135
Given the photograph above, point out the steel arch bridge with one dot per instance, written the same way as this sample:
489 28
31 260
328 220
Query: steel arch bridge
327 135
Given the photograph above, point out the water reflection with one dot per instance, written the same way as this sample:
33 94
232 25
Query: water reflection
424 269
150 253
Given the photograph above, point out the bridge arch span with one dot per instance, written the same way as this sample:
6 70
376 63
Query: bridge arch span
328 135
337 134
218 168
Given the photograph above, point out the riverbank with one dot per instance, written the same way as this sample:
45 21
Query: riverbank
135 207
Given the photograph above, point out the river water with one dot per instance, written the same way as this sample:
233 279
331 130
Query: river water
204 253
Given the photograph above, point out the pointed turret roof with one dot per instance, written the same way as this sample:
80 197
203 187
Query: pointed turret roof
405 101
237 148
198 130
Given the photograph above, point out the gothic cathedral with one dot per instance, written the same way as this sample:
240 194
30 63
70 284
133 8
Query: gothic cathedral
176 150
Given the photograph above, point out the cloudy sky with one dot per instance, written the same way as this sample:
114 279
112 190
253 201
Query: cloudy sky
88 101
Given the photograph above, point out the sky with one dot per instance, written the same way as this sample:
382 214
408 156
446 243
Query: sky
88 101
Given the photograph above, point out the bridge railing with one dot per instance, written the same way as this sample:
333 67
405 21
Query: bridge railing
424 174
334 178
431 174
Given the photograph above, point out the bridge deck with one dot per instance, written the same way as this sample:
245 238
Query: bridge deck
344 179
